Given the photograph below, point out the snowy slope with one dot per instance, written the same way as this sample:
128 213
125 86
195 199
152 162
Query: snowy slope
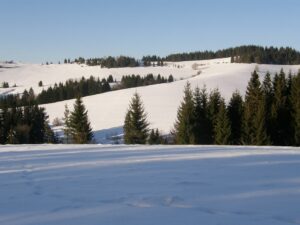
107 111
26 76
145 185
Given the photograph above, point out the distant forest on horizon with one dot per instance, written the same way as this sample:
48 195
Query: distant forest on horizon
241 54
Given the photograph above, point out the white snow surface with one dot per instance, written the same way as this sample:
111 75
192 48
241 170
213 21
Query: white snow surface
146 185
107 111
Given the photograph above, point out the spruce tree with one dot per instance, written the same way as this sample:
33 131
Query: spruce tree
80 127
184 125
280 113
223 128
214 103
37 124
254 127
136 125
267 88
295 102
235 114
170 79
202 125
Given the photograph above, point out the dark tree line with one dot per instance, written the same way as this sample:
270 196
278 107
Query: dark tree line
130 81
269 114
152 61
5 85
241 54
25 125
59 92
107 62
244 54
27 98
83 87
73 88
29 125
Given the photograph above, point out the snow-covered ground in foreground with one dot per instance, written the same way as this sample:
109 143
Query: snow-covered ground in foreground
139 185
107 111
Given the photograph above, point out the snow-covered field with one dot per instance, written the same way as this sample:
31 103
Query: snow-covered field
137 185
107 111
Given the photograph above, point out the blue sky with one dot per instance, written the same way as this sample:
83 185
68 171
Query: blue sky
51 30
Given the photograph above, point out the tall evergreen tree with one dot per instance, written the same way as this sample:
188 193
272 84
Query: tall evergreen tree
235 114
268 96
202 125
136 125
81 130
254 128
223 128
295 102
184 125
281 115
214 103
37 131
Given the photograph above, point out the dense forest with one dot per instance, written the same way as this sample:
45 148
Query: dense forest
73 88
241 54
83 87
244 54
107 62
131 81
268 115
25 125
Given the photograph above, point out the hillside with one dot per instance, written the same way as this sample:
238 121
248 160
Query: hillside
107 111
143 185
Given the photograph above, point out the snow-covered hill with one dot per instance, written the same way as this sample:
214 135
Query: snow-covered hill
107 111
145 185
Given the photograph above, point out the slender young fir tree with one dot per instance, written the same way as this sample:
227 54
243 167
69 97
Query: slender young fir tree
184 125
80 127
67 127
136 125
